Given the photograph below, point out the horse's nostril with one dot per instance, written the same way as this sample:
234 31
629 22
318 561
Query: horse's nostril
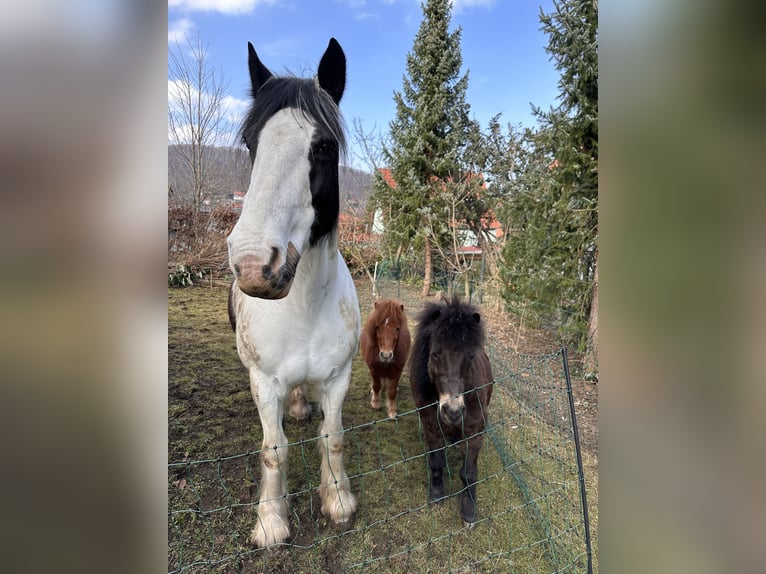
237 270
270 270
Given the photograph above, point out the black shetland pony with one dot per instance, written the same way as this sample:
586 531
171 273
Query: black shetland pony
450 378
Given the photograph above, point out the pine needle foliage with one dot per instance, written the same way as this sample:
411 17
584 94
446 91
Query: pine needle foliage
427 136
550 254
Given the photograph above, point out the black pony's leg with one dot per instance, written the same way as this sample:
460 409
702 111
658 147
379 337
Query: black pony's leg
469 474
436 455
436 461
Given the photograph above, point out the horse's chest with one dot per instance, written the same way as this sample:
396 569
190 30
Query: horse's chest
294 350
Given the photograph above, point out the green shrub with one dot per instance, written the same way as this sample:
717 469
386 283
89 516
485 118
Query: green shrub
184 276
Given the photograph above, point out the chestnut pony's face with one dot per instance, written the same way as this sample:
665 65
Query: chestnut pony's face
387 330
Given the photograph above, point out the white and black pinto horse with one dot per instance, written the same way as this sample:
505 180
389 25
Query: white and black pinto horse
293 304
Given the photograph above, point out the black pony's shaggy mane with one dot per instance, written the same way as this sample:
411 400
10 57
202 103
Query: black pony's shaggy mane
453 321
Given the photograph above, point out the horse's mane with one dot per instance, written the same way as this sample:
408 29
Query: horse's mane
303 94
452 321
388 308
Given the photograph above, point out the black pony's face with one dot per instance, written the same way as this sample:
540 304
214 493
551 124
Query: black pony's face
449 367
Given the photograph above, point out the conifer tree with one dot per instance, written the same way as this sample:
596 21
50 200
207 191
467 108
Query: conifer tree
551 255
428 136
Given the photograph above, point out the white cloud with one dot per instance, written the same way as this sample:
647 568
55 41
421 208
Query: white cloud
359 9
232 111
460 5
365 15
223 6
178 30
235 109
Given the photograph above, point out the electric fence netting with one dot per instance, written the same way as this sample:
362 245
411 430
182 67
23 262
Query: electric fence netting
532 513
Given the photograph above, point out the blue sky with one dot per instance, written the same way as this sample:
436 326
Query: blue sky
503 49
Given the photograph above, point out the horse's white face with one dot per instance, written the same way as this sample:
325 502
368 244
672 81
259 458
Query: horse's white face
275 225
294 133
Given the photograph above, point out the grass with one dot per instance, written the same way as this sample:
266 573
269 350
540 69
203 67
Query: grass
528 498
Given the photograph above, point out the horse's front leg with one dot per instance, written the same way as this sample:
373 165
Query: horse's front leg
436 453
272 526
392 388
375 390
335 490
469 474
436 461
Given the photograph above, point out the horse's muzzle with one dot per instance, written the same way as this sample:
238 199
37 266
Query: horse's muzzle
452 411
267 279
386 356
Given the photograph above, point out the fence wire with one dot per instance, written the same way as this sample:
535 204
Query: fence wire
530 505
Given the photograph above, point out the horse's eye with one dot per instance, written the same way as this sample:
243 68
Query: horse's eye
324 150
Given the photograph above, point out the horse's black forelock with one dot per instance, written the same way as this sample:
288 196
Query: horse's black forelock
452 323
302 94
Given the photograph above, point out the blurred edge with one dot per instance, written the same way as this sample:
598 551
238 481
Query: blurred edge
682 291
83 394
83 307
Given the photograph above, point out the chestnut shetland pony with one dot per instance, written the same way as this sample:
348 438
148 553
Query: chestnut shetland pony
293 303
450 378
385 346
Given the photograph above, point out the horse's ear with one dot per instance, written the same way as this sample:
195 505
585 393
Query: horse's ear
476 317
332 70
258 72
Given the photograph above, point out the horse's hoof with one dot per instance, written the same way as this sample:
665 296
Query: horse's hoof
467 509
436 497
339 507
269 531
468 525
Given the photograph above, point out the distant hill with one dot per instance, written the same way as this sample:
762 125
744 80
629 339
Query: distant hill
229 171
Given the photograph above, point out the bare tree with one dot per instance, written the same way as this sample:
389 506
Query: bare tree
449 232
363 248
196 118
369 145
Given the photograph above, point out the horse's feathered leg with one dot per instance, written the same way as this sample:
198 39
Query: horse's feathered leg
335 491
272 526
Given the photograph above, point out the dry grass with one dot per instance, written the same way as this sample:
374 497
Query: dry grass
528 501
